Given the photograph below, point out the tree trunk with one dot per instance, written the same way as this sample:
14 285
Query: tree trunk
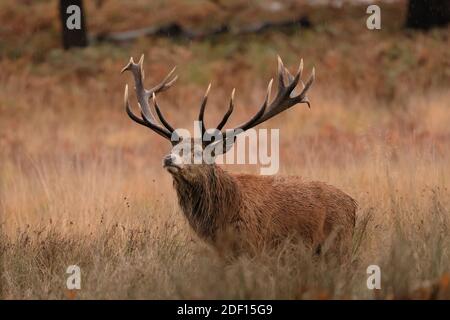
73 23
426 14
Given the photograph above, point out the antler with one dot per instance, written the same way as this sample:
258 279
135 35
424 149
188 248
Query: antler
222 122
284 99
147 118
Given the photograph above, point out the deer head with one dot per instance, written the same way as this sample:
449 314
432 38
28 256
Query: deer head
190 159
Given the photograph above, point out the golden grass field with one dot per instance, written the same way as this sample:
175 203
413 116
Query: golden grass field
80 183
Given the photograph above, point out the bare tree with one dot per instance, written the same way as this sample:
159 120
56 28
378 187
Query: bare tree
426 14
73 24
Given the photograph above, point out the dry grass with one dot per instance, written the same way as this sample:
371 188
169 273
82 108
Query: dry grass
81 184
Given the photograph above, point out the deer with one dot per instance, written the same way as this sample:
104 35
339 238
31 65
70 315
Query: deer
244 212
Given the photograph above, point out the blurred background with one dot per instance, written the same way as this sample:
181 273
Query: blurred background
230 43
71 159
74 96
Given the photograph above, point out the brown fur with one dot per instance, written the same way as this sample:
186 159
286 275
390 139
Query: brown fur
256 211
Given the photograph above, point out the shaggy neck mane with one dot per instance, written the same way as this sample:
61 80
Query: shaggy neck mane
208 200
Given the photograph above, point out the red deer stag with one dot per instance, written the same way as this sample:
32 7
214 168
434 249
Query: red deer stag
250 210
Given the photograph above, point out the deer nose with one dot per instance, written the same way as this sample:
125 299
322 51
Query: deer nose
168 160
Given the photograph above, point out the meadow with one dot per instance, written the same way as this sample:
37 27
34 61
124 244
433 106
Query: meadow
80 183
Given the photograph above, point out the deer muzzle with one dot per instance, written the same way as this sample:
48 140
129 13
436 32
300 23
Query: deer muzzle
172 163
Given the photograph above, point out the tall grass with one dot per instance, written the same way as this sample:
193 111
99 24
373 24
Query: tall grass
112 211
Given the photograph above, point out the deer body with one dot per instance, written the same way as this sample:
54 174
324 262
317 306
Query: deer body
249 211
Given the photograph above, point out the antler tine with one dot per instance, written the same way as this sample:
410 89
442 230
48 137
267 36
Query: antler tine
201 113
302 96
160 115
166 83
128 66
228 113
143 95
281 73
128 108
309 83
250 123
164 121
269 90
300 68
261 111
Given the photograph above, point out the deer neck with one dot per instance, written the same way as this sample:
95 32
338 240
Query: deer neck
208 201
